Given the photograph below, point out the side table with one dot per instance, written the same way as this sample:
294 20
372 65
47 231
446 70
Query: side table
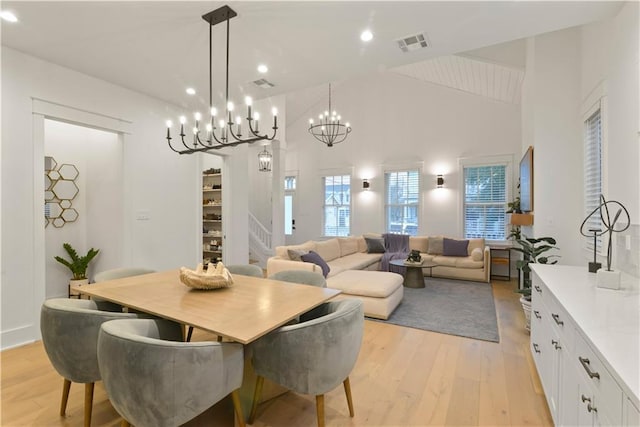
501 255
413 277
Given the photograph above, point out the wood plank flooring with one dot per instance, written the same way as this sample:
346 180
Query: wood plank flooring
403 377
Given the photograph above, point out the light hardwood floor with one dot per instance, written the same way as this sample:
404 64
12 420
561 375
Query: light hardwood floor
403 377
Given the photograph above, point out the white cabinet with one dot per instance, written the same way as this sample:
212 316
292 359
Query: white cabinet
212 236
576 339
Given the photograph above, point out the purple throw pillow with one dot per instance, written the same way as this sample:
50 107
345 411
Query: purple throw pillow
316 259
452 247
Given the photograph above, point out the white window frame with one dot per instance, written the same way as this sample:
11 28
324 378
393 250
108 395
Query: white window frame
403 168
290 192
332 173
597 100
499 160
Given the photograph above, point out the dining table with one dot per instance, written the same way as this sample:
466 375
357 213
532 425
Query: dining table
249 309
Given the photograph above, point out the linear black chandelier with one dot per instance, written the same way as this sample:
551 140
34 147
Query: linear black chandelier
226 136
329 131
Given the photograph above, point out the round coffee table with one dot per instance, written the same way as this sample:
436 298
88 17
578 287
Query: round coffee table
413 277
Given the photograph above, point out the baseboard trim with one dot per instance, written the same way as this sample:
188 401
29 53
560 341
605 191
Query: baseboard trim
17 337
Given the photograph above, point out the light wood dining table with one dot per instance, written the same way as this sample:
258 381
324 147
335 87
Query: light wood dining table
244 312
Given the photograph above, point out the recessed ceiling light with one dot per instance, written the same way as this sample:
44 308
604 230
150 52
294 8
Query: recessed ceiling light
262 68
191 91
366 36
8 16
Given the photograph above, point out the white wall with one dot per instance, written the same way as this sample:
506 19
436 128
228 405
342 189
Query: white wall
97 155
397 120
157 183
557 142
565 71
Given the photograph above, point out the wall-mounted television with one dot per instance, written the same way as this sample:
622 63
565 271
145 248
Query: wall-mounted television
526 181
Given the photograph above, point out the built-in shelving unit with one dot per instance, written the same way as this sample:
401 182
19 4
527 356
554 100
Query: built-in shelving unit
212 236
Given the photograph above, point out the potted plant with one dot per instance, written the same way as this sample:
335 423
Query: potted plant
532 250
78 264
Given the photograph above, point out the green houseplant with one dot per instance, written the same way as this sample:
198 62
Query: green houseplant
78 264
532 252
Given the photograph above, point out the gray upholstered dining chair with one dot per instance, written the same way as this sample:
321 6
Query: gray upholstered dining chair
119 273
242 270
245 270
313 356
300 276
154 382
69 330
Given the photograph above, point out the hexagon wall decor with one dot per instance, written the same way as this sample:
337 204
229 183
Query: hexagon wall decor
60 190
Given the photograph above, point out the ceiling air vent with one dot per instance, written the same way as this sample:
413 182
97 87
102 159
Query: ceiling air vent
263 83
414 42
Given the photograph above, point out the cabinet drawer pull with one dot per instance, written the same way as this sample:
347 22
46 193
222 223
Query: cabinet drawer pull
587 367
538 288
535 347
556 344
586 399
556 317
537 314
591 408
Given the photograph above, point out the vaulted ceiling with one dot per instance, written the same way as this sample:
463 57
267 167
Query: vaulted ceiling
160 48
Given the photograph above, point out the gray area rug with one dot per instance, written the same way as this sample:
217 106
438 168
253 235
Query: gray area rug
452 307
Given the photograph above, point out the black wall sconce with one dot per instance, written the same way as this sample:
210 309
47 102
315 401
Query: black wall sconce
365 184
439 181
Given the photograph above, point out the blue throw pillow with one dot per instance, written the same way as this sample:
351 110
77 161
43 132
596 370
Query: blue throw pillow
374 245
452 247
316 259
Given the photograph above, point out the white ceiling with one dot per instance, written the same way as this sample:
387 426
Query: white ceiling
160 48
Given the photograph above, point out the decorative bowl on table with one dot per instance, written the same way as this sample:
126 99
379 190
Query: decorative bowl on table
414 258
214 277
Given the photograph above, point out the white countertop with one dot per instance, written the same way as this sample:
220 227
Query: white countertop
608 319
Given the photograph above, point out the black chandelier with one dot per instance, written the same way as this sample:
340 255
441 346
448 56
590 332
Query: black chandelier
329 131
222 135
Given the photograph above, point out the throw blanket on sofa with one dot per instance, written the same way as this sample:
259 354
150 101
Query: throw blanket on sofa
396 247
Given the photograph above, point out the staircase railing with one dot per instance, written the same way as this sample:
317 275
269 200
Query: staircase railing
259 241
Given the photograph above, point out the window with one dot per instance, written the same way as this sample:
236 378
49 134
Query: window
485 201
593 174
337 205
289 191
289 183
402 201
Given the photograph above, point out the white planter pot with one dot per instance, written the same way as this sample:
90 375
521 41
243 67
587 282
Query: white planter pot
526 306
73 284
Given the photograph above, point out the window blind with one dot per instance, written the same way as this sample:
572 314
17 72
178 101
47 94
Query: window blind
402 201
485 199
593 174
337 205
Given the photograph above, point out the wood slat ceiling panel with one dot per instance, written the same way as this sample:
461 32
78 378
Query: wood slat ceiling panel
482 78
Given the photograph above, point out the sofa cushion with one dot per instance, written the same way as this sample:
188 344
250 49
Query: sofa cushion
357 261
316 259
475 243
328 249
452 247
477 254
374 245
362 244
435 245
282 251
348 245
294 254
468 262
419 243
378 284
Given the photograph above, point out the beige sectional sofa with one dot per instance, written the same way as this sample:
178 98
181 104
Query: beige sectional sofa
380 292
350 253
